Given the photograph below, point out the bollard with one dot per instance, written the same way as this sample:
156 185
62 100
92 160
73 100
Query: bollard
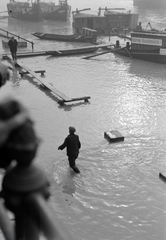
32 46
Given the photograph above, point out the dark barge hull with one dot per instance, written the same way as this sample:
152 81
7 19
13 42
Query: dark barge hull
39 11
34 14
146 56
62 13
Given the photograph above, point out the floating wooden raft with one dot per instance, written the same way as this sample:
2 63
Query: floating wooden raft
63 97
113 136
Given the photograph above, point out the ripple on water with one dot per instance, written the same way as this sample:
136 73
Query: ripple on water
118 192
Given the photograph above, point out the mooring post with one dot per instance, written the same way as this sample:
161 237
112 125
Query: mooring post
61 102
42 73
32 46
86 100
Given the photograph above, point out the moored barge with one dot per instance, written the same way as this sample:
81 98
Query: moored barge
60 12
38 10
110 21
145 45
25 11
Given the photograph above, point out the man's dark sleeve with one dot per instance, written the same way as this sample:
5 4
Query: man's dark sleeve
61 147
79 143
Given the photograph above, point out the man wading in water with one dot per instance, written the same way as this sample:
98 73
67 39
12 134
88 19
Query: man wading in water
72 143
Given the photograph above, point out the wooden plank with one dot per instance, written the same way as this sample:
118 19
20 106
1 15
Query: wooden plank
97 54
38 71
109 51
63 98
80 98
49 86
86 98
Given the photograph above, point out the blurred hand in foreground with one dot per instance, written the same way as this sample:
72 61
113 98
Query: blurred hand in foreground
5 70
7 126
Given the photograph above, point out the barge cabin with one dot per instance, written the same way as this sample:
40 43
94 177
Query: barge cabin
145 45
104 24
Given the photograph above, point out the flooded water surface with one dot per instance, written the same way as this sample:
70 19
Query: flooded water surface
118 194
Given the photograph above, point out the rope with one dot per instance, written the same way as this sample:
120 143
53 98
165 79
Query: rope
128 52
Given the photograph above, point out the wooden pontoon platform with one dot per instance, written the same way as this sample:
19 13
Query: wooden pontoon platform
59 53
62 97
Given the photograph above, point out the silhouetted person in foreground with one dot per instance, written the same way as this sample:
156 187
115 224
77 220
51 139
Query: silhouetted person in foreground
24 187
18 119
13 48
4 73
72 144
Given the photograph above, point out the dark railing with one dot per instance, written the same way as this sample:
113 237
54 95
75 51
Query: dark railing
12 34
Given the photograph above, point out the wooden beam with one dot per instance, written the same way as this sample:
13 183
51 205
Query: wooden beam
86 98
49 86
38 71
97 54
109 51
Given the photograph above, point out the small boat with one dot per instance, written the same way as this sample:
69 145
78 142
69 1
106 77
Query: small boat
21 44
88 35
74 51
25 11
148 45
60 12
56 53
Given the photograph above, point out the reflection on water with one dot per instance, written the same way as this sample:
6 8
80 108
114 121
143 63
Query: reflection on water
25 27
118 194
118 190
